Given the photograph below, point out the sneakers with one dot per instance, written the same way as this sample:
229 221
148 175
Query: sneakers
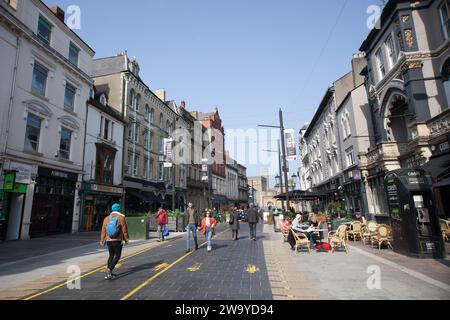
109 275
209 248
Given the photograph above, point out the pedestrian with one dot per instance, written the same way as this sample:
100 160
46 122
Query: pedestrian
193 222
162 219
114 233
207 227
234 223
252 219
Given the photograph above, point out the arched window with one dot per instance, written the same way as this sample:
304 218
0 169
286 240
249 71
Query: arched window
161 121
168 128
152 116
138 102
347 120
132 98
147 113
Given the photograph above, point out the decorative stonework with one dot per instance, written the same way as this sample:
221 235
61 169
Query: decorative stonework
411 65
409 38
405 18
440 125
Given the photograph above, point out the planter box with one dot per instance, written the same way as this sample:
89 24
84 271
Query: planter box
181 227
153 226
138 228
172 225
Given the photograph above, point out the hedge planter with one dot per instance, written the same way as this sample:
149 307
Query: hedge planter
138 228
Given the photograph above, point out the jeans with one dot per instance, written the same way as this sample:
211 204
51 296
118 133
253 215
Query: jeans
191 228
252 230
161 228
115 252
235 234
209 234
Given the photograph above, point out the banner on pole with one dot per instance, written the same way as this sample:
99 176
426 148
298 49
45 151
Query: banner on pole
291 150
168 160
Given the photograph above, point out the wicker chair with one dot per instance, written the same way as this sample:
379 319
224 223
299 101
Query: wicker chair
355 230
445 229
284 235
301 240
382 236
368 231
338 239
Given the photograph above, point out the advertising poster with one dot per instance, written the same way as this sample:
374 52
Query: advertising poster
291 151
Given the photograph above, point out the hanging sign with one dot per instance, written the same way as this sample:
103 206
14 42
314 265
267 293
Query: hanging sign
291 151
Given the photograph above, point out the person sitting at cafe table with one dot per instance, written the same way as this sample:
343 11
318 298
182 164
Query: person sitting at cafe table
309 232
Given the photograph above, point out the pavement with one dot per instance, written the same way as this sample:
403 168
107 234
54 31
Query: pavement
235 270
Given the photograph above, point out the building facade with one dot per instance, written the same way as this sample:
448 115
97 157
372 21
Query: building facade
408 83
46 71
232 181
150 120
103 162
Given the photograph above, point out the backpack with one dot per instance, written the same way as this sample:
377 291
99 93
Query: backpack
323 246
113 227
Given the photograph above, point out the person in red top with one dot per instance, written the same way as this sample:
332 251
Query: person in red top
207 226
162 219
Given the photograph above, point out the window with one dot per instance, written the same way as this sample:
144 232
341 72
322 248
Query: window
136 165
132 98
44 30
129 162
33 133
147 113
161 121
445 18
138 102
146 168
152 116
106 129
64 146
39 79
73 54
69 97
347 121
136 133
350 157
161 171
12 3
380 64
161 145
391 51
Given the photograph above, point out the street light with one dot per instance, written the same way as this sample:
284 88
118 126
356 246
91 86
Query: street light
279 177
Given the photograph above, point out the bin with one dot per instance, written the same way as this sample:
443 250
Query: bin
138 228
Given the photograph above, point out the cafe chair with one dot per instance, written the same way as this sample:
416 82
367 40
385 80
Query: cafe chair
355 230
368 231
382 236
338 239
301 240
445 229
284 235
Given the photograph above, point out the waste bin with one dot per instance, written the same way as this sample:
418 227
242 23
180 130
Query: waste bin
138 228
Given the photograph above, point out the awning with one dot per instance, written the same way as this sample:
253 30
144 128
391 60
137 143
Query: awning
300 195
220 199
144 196
438 168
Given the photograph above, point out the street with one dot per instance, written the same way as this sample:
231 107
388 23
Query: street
244 270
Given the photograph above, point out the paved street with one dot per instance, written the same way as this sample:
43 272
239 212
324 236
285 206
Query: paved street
241 270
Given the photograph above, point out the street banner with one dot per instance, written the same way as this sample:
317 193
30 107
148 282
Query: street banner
291 151
168 160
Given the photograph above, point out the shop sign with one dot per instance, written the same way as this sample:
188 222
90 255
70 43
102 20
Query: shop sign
8 181
106 189
20 188
23 172
45 172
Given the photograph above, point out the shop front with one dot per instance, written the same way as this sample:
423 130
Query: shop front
53 202
97 202
12 199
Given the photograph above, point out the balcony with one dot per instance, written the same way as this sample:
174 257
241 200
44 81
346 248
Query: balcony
390 151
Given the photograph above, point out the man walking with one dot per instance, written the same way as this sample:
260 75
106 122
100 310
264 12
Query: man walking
162 219
193 222
234 223
114 232
253 219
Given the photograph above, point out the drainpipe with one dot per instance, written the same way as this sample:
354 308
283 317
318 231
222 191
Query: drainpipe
11 98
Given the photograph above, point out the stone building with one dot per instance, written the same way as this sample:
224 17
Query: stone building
150 120
408 84
46 81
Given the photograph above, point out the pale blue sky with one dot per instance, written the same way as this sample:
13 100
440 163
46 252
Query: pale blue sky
248 57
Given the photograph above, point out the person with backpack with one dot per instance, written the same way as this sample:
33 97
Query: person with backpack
234 223
207 227
162 219
114 233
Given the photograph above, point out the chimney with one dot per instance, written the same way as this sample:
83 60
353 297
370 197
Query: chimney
182 105
58 12
161 94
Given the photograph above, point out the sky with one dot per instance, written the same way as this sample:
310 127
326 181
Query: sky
249 58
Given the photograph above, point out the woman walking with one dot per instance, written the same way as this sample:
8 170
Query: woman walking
207 226
234 223
162 219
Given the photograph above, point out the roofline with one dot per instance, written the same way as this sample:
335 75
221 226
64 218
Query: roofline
318 113
347 96
73 32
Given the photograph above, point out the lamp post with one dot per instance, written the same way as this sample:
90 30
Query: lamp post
279 177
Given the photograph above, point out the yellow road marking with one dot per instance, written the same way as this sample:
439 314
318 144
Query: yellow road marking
160 266
144 284
252 269
83 276
196 267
